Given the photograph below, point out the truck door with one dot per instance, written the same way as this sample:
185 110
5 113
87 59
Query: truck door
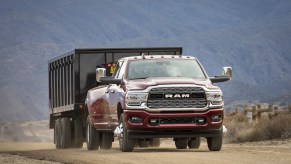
114 92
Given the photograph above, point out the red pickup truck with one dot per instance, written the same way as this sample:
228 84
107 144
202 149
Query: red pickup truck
156 94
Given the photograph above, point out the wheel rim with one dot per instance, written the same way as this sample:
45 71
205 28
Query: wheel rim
88 133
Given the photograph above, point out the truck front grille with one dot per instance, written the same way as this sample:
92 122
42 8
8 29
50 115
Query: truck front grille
177 97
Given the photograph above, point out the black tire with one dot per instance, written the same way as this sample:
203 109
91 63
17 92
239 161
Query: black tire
65 133
92 136
126 144
57 133
106 141
181 143
215 143
78 133
194 143
142 143
155 142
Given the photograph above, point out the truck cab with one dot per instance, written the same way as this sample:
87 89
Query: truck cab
149 97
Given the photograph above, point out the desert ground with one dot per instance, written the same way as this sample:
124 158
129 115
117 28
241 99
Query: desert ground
32 142
43 152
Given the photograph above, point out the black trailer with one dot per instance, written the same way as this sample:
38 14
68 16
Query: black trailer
72 74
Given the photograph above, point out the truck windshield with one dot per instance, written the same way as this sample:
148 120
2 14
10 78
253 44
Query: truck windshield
141 69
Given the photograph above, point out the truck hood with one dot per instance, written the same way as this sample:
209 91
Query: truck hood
141 84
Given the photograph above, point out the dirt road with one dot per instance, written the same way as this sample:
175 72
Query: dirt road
259 152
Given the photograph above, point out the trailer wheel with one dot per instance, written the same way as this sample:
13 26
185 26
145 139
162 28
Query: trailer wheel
92 136
78 133
215 143
155 142
194 143
181 143
106 141
57 133
65 133
126 144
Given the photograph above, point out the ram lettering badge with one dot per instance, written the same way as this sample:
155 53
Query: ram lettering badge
177 95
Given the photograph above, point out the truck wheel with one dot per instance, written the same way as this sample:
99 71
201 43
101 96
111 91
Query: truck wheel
142 143
181 143
92 136
57 133
194 143
215 143
126 144
65 133
78 133
155 142
106 142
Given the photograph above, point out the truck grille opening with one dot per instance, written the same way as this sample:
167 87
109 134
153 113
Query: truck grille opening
177 97
177 120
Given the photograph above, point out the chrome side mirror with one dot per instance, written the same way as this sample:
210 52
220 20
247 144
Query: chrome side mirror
227 71
100 72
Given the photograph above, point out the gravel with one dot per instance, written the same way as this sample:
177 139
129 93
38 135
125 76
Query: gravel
16 159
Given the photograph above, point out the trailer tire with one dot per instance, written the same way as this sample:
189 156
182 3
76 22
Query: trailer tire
92 136
194 143
215 143
181 143
65 133
106 141
155 142
126 144
57 133
78 133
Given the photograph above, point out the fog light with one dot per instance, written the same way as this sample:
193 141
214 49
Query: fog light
216 118
154 121
135 120
200 120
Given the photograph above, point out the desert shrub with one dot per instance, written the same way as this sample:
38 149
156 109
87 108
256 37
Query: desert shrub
239 130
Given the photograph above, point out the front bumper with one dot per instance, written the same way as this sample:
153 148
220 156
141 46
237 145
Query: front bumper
144 129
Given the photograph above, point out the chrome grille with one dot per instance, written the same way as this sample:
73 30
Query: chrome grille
195 100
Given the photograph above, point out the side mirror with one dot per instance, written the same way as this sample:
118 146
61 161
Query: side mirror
110 80
100 72
227 71
226 75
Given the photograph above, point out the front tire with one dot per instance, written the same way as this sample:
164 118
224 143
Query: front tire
215 143
126 144
92 136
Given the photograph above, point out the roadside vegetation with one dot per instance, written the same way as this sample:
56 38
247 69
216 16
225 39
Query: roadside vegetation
240 129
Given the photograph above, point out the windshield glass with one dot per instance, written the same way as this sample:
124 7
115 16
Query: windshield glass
141 69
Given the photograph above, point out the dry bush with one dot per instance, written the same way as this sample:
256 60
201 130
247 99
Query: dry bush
239 130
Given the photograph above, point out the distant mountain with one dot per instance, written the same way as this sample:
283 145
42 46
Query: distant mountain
253 37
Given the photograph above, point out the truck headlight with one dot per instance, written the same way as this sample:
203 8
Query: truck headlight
135 98
215 98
